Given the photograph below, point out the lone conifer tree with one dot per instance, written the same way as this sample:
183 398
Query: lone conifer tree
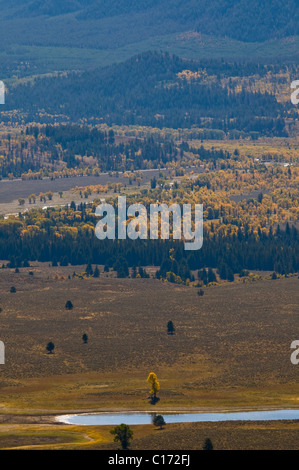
170 328
50 347
123 434
85 338
208 445
69 305
158 421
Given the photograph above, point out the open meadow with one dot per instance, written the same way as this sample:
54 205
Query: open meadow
231 351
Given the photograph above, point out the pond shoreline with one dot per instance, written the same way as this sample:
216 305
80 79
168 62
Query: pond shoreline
145 417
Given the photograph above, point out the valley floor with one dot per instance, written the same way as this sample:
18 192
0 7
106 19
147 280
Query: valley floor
231 351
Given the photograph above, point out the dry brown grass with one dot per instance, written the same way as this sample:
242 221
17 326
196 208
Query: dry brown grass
234 338
231 350
281 149
281 435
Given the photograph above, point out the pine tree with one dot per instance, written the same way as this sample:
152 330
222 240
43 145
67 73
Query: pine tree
50 347
69 305
170 328
89 270
208 445
96 272
159 421
85 338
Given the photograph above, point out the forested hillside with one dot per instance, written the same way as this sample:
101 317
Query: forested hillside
158 90
246 21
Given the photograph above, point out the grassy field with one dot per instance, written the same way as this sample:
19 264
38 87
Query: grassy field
224 436
280 149
231 351
11 191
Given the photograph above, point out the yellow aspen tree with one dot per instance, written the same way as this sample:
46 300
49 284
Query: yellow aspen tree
155 386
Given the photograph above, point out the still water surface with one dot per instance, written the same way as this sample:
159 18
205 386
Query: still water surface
146 418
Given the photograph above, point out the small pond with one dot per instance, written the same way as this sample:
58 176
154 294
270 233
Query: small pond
146 418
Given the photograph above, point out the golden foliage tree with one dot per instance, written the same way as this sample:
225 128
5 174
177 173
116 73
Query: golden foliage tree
155 386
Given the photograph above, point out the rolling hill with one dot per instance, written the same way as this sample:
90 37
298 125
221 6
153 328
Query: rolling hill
152 89
246 21
78 34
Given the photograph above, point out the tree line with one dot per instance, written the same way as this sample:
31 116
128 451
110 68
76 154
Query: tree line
228 251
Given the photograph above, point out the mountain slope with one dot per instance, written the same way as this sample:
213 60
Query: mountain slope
152 89
257 20
254 21
42 36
